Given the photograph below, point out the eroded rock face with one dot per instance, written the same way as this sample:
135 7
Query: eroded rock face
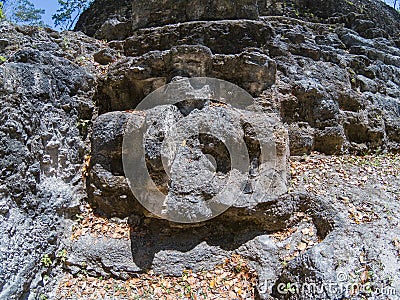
327 76
109 20
222 37
44 94
155 244
342 86
202 179
131 79
334 88
119 21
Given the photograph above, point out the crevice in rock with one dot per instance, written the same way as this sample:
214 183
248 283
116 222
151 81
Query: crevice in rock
213 146
187 106
170 248
254 150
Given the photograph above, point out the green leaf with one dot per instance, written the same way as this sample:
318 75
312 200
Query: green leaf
69 12
22 12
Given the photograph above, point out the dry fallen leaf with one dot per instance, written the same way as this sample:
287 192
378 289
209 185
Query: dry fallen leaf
302 246
362 259
232 295
396 243
212 283
305 231
364 276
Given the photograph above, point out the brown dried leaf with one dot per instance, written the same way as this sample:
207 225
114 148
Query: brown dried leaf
302 246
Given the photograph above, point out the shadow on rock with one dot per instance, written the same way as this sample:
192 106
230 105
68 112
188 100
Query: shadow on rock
170 248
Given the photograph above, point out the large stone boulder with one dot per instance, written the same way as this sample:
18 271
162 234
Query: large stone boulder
214 162
340 82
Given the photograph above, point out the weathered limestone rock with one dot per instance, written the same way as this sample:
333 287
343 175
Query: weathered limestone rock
315 80
336 88
44 94
328 71
131 79
155 13
195 182
222 37
246 232
109 20
301 138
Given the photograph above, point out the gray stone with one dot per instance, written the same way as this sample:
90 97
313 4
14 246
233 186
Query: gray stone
325 80
222 37
170 12
330 140
130 80
301 139
203 246
41 150
328 70
366 84
107 20
105 56
102 257
189 182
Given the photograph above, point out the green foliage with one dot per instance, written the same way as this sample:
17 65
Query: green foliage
26 13
46 260
2 16
23 12
62 255
289 288
69 12
65 44
43 297
2 59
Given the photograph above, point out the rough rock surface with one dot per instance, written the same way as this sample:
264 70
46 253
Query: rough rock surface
327 71
111 20
335 89
44 94
110 191
234 231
